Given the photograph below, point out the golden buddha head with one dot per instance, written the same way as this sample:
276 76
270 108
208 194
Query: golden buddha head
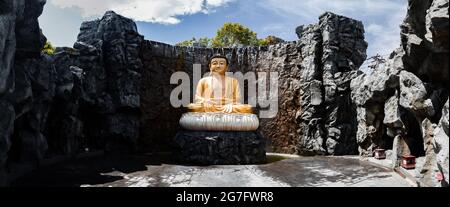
218 64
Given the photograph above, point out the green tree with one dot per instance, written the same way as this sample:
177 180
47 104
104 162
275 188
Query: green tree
270 40
234 34
186 43
204 42
48 48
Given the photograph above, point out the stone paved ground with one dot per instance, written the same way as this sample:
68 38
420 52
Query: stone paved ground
153 171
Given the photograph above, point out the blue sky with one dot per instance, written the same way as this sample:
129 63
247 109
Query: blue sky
173 21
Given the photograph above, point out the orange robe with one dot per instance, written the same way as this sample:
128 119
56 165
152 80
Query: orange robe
211 90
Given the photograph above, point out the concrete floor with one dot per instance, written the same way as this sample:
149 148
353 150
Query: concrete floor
158 171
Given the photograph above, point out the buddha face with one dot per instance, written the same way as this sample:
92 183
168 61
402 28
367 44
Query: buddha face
219 66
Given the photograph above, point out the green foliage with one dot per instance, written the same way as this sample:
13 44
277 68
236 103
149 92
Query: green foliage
270 40
186 43
230 35
205 42
234 34
48 48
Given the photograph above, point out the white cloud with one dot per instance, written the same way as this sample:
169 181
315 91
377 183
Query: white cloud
156 11
217 3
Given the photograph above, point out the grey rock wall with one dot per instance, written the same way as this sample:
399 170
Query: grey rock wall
26 85
400 105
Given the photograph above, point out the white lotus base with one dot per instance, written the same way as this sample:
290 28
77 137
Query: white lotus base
219 122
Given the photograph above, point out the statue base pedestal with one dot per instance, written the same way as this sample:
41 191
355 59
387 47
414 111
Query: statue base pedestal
220 148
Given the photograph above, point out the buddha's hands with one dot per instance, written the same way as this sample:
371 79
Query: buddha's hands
227 108
208 105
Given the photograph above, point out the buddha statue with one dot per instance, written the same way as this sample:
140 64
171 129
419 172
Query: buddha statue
219 93
217 103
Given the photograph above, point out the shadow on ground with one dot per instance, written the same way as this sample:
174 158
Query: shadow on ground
90 171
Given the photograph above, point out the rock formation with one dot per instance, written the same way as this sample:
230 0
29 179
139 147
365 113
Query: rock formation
79 99
26 85
99 91
440 145
400 104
